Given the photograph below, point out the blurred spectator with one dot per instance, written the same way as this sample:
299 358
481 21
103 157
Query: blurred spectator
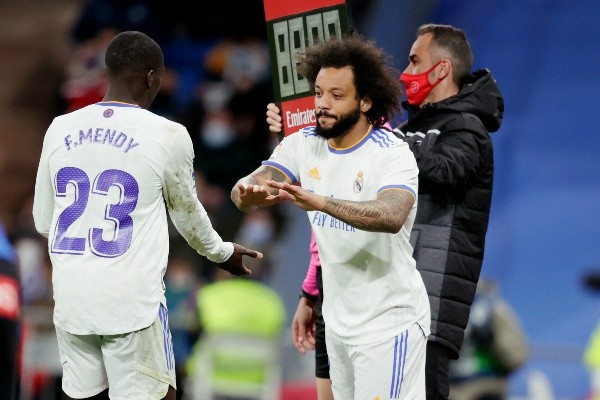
237 356
261 230
222 153
494 347
41 368
183 279
98 23
187 274
227 122
591 356
86 74
246 64
592 362
34 268
10 318
229 135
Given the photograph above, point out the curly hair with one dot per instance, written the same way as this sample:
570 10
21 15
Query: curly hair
373 76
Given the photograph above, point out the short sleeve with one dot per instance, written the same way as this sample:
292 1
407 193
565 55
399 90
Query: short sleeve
285 155
400 170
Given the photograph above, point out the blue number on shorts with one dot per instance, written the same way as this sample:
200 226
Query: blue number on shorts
118 213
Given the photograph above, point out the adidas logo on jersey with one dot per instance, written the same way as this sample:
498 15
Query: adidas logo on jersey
314 173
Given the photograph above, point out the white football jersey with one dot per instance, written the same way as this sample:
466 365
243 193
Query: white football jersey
106 173
371 287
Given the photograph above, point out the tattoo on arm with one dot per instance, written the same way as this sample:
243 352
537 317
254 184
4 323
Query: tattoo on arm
263 174
385 214
258 177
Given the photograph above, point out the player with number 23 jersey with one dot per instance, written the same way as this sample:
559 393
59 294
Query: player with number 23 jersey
95 213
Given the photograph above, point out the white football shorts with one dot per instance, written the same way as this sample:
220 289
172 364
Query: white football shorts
391 369
136 365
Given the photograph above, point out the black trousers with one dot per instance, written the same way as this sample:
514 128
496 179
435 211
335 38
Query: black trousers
437 369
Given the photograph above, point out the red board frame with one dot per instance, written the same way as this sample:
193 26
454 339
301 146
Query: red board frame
275 9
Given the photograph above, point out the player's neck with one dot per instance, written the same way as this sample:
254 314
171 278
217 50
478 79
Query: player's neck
120 96
352 136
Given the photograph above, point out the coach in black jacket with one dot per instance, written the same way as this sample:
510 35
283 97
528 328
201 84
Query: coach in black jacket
450 114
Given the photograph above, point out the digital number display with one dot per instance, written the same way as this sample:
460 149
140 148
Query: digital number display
292 25
290 36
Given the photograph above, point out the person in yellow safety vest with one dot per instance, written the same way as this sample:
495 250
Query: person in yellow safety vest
247 314
591 354
591 357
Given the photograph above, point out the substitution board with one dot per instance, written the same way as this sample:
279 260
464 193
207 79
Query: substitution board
292 25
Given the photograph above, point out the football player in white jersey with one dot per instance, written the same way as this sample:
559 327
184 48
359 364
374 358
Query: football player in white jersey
358 183
107 174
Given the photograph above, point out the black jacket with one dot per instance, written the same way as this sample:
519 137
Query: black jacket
454 154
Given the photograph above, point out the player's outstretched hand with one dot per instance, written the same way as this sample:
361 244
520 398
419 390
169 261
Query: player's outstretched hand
301 197
259 196
235 264
274 118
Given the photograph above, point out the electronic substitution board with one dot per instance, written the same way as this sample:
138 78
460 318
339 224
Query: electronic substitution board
292 25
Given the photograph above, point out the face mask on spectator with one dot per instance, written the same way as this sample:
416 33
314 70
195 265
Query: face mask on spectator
257 232
217 134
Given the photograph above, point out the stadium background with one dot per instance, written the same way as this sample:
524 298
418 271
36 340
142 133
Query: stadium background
544 227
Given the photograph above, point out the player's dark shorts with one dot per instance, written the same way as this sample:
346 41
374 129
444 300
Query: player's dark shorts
321 358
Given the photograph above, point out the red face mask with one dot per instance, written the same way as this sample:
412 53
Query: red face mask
417 86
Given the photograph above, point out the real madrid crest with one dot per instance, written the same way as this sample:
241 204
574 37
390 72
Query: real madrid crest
358 182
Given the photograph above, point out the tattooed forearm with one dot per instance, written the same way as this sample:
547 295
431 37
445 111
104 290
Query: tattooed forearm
385 214
256 178
265 173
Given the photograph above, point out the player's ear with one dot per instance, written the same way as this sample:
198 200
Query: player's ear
365 104
149 79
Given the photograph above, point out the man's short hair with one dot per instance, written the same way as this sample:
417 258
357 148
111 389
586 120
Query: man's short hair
133 51
450 42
